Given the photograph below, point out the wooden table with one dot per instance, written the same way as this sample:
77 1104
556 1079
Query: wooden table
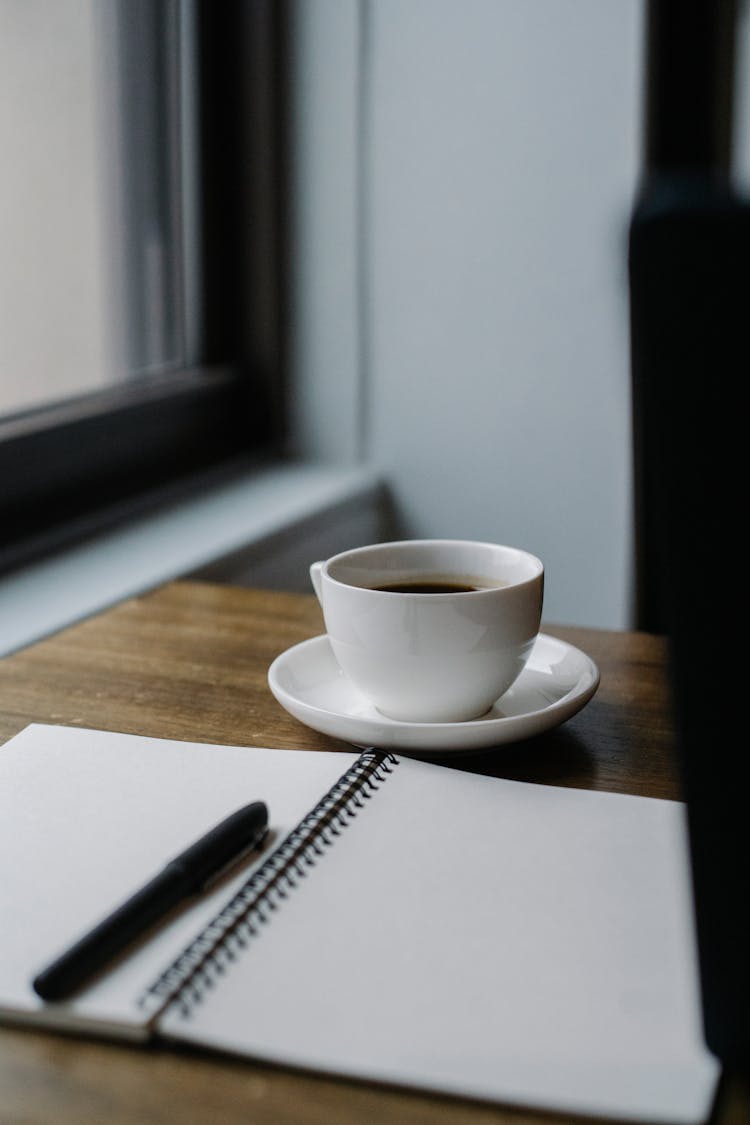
189 661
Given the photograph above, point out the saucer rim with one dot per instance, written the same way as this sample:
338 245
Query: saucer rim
436 738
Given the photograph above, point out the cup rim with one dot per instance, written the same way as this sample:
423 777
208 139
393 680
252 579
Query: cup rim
353 552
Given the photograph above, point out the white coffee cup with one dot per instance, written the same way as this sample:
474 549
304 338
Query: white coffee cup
427 656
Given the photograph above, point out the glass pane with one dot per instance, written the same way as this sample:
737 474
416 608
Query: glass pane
53 291
92 200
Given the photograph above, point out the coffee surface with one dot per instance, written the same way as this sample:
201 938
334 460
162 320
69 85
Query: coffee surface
430 587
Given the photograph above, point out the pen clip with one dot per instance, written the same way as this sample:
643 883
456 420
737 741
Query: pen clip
235 861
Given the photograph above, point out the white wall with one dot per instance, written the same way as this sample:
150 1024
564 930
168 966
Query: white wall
324 332
498 144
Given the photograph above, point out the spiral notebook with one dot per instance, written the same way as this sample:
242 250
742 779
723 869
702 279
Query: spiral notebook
406 923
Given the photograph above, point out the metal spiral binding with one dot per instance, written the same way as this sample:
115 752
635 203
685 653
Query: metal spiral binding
196 969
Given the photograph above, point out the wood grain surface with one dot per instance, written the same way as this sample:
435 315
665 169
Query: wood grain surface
189 661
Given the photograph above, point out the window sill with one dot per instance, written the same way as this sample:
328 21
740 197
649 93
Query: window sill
263 528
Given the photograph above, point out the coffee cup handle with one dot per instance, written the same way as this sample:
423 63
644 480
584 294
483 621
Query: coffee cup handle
316 577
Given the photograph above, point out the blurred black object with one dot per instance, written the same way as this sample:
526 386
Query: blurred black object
690 343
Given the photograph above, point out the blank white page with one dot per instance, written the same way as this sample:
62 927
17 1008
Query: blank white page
87 817
497 939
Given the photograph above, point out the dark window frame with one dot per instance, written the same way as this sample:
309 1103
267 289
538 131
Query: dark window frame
90 461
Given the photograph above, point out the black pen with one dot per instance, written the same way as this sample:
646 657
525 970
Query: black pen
189 873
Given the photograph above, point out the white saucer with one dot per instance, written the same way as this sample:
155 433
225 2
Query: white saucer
556 682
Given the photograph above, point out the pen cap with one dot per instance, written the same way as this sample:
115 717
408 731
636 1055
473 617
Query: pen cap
223 844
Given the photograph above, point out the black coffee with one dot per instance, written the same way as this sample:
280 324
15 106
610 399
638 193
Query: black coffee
429 588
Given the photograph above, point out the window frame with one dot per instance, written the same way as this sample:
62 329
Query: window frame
87 462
